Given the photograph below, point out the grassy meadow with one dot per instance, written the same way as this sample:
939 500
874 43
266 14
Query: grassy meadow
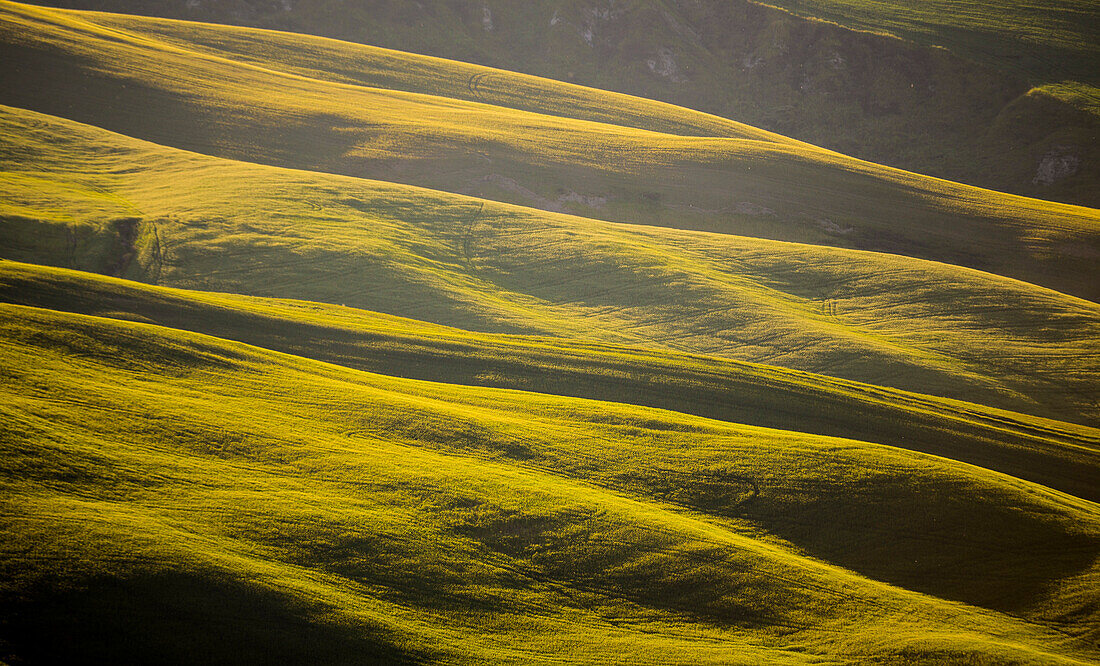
997 95
490 524
320 352
246 228
748 185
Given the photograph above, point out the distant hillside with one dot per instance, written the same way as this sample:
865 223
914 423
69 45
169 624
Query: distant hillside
1011 104
1050 41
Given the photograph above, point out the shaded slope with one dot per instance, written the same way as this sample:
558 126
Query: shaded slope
1054 454
143 87
522 516
931 110
1055 41
204 223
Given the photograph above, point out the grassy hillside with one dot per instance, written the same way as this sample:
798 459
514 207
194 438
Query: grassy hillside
1056 454
757 186
1054 41
321 352
84 198
1054 46
1010 104
410 520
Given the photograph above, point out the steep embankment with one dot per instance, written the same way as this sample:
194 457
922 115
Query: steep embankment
1010 104
216 224
537 527
758 186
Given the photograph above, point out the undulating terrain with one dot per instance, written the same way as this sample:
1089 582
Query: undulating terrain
1004 95
316 351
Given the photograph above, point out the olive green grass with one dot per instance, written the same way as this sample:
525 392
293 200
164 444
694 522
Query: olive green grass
732 179
198 498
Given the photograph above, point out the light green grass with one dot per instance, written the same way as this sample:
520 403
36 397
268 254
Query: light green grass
403 518
143 87
880 319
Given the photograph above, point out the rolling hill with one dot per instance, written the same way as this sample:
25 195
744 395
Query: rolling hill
113 204
1055 41
316 351
1001 96
403 520
64 64
1057 454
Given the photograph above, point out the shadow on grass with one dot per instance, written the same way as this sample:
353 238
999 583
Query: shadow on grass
181 618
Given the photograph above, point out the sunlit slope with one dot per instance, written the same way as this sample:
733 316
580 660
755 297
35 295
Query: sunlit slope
979 111
138 459
80 197
63 64
1056 454
364 65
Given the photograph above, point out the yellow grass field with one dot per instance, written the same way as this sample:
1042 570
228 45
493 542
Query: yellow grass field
316 352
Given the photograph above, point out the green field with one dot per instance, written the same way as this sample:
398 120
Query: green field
1000 95
402 517
1026 446
319 352
732 179
202 223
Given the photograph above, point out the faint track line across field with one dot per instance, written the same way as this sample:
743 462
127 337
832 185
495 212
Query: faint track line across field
474 82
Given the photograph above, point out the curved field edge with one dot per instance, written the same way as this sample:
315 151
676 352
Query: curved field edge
144 87
1060 455
541 513
85 198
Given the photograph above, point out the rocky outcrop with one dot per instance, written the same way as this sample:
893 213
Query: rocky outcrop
1061 162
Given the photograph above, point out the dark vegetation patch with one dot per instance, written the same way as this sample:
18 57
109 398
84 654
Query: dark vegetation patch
108 247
